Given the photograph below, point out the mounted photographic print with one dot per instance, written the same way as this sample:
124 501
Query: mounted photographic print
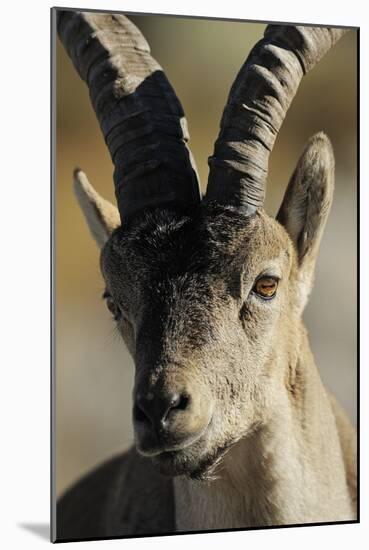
204 311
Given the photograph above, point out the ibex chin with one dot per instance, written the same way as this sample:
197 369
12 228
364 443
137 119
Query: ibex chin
233 426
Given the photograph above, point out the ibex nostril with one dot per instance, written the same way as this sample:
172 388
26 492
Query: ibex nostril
159 408
181 402
177 402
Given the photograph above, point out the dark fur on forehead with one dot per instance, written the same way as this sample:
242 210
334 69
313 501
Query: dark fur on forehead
212 251
210 237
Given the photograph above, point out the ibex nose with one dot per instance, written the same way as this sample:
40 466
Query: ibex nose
168 419
158 409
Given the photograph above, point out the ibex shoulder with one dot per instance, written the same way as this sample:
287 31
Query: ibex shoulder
121 497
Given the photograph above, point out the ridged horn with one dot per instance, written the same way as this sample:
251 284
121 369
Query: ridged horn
255 109
139 113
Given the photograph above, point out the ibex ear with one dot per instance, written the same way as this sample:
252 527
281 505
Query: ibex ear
306 204
101 216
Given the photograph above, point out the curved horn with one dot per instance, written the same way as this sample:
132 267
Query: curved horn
256 107
140 116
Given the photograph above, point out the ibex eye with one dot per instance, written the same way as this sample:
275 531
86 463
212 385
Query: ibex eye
266 287
112 306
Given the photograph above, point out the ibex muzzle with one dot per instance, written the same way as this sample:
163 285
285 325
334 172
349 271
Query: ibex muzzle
169 417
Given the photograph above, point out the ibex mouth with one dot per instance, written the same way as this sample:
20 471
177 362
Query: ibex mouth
191 459
170 449
162 447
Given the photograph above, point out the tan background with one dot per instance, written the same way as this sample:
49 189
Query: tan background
201 58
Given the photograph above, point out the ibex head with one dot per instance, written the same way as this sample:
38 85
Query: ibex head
207 294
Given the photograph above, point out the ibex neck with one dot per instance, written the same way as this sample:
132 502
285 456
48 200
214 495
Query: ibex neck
257 483
281 473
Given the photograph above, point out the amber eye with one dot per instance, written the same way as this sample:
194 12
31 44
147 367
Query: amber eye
266 287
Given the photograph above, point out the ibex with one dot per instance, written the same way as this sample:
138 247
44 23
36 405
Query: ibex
233 426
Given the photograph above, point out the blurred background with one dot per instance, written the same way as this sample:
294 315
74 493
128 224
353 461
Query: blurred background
94 373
